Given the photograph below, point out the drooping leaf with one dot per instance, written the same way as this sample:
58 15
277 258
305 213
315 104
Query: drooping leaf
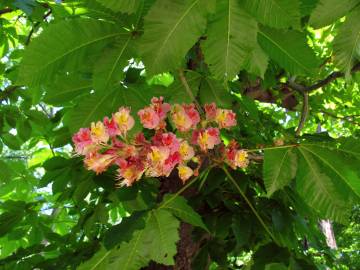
65 88
328 11
109 69
319 190
289 50
124 6
279 168
256 62
143 246
62 46
213 91
231 35
8 220
180 208
124 230
275 13
94 107
172 27
347 42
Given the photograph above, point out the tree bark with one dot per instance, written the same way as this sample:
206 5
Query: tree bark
328 231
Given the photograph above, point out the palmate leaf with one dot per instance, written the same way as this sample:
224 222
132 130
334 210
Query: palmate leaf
256 62
179 207
94 107
109 69
63 46
124 6
171 28
326 178
231 35
275 13
280 167
213 91
347 42
65 88
319 190
177 92
289 50
328 11
157 242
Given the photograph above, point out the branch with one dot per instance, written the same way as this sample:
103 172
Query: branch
6 10
348 118
188 90
7 92
304 113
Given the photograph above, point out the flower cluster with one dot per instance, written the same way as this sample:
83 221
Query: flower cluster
106 143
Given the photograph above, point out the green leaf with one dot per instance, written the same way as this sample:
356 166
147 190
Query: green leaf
94 107
63 46
275 13
124 6
9 220
157 242
177 92
66 88
256 62
24 129
109 69
280 167
319 190
213 91
231 35
328 11
347 42
172 27
124 230
180 208
289 50
13 142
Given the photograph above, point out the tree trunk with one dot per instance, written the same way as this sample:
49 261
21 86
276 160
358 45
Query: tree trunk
328 231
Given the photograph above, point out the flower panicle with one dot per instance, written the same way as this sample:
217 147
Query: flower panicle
106 143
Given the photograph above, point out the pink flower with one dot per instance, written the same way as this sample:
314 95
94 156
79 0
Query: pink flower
170 163
207 139
111 127
192 113
149 118
98 162
185 172
210 111
160 108
168 140
180 119
235 157
225 118
130 171
124 120
99 133
186 151
82 141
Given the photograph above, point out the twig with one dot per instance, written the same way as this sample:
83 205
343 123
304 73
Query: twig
304 113
349 118
7 92
188 90
36 25
6 10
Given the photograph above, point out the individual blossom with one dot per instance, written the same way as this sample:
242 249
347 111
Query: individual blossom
111 127
210 111
235 157
153 117
148 117
82 140
124 120
156 160
168 140
185 117
186 151
98 162
185 172
225 118
99 133
207 138
170 163
130 170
